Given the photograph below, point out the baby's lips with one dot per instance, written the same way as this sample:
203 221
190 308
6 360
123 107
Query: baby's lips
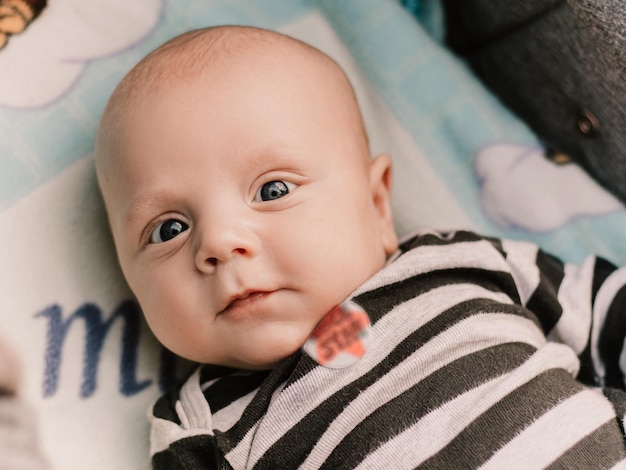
340 339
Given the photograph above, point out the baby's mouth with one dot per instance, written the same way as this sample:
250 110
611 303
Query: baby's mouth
243 300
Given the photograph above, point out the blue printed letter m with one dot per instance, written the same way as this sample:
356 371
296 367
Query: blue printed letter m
96 331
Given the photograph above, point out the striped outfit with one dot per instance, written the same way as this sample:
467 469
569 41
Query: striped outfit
466 367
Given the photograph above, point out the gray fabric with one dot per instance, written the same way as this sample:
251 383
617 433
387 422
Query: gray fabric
560 65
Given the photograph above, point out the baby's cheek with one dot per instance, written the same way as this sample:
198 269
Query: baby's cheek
160 316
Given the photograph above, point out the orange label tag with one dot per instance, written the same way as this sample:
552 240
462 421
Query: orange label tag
340 339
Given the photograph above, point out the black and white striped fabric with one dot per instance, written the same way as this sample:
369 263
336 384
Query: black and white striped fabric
475 348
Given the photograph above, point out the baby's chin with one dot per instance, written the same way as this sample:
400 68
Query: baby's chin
266 352
268 358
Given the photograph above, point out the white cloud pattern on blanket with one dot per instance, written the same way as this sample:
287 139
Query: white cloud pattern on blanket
520 187
41 64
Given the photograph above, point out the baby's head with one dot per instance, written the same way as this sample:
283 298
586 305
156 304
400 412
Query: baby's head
240 191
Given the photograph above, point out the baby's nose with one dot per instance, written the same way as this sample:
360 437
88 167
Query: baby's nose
221 242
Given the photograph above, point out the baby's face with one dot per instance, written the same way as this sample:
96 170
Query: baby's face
243 211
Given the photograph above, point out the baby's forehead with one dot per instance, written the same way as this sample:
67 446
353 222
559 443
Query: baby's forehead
194 54
190 58
187 60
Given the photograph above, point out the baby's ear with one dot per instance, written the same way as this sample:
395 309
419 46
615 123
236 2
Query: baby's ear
380 184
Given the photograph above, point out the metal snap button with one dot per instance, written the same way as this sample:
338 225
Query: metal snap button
587 123
557 157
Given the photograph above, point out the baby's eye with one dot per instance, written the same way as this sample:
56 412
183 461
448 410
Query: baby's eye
167 230
273 190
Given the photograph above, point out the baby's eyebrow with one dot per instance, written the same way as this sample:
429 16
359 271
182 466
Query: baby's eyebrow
143 206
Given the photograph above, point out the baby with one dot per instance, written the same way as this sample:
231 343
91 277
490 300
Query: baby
245 207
